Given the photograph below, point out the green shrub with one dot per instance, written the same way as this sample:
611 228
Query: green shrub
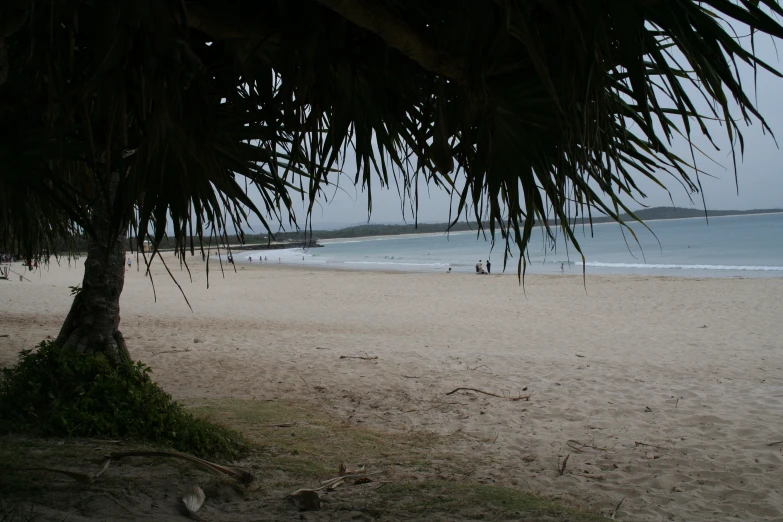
55 392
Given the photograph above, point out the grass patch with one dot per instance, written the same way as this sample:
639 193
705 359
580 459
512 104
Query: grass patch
310 445
54 392
444 497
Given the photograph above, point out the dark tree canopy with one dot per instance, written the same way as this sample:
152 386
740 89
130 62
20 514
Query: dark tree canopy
526 110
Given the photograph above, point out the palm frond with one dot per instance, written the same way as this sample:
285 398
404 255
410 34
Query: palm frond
532 113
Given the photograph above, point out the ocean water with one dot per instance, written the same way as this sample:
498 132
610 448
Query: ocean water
736 246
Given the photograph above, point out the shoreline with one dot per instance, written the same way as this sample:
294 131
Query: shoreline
602 276
575 270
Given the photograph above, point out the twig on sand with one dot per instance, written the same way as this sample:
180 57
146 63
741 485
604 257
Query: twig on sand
308 386
382 418
561 468
520 398
775 443
648 445
616 509
481 371
367 358
171 351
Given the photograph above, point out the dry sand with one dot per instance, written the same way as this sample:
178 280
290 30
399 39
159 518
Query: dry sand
665 392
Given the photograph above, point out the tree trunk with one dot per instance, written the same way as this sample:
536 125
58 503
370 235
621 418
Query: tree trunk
92 325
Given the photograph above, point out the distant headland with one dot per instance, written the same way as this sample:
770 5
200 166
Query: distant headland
369 230
310 239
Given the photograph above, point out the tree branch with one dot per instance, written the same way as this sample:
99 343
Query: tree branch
396 33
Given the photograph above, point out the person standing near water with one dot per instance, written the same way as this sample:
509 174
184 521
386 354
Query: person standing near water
489 267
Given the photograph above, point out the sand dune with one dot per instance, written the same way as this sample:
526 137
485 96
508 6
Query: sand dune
665 392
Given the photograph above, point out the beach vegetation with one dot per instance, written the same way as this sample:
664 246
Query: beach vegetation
60 393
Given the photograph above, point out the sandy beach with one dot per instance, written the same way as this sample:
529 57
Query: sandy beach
665 392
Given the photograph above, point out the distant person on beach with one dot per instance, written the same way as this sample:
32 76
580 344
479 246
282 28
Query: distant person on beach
478 267
129 263
266 259
489 267
562 267
249 259
449 270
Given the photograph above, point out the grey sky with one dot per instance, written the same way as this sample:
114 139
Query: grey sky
759 170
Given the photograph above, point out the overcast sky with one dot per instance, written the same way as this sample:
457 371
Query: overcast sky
759 170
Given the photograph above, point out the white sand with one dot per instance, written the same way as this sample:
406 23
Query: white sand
689 367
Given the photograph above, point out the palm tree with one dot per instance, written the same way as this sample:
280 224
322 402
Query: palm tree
126 115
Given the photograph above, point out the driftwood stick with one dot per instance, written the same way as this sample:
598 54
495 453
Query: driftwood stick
489 370
359 474
649 445
171 351
616 509
520 398
357 357
237 474
562 467
79 476
83 478
775 443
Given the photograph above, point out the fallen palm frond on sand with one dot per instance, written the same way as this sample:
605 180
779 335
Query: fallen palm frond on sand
87 478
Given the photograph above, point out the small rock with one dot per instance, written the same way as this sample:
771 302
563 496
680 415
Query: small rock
306 500
197 340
